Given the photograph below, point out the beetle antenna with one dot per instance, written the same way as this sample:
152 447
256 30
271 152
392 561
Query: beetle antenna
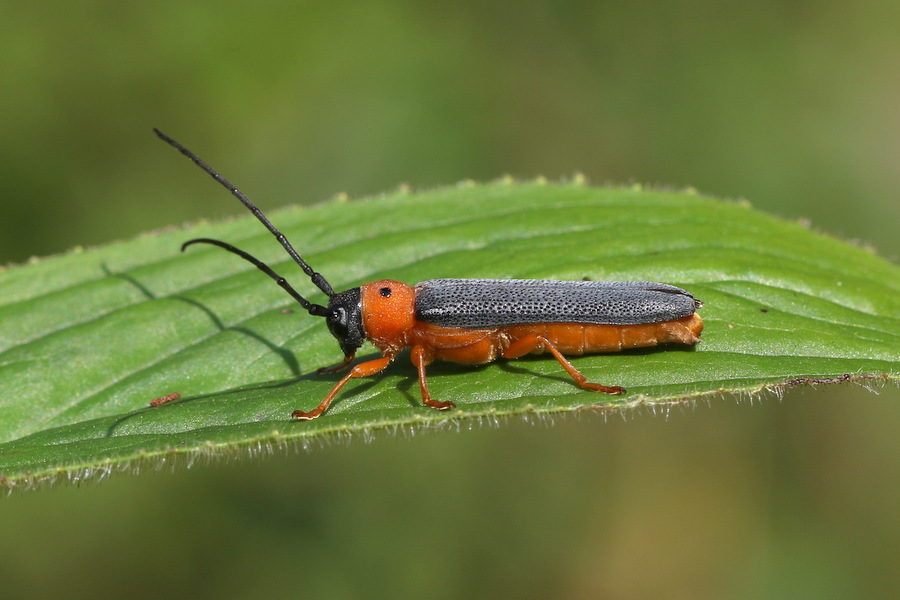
317 278
314 309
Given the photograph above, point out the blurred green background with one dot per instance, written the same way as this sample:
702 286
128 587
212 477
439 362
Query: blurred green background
792 105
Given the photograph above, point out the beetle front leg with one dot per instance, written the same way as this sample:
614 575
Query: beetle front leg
421 357
361 370
338 367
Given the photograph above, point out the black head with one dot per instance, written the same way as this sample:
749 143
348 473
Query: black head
344 319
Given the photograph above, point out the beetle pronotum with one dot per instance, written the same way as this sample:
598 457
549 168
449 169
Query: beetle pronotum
476 321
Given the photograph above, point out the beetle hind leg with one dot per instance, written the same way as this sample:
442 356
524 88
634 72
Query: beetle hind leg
526 344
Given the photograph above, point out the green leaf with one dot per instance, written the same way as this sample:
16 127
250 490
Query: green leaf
88 339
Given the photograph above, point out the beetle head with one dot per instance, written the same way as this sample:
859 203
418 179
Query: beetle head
344 319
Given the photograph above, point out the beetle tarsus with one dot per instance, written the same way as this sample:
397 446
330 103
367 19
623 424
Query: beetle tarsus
439 404
606 389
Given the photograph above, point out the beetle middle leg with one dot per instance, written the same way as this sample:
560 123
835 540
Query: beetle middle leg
526 344
421 357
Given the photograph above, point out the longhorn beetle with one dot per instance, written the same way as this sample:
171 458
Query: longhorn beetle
476 321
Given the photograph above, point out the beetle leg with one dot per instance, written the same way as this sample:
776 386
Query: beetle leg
528 343
421 357
361 370
338 367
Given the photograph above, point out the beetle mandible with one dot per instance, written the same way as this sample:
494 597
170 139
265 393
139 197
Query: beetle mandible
476 321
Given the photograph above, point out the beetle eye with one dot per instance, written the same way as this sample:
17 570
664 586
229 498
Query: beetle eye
337 322
385 292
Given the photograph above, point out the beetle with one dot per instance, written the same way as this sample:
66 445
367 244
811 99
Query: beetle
476 321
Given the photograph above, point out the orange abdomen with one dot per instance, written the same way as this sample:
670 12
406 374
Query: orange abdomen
477 346
574 339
